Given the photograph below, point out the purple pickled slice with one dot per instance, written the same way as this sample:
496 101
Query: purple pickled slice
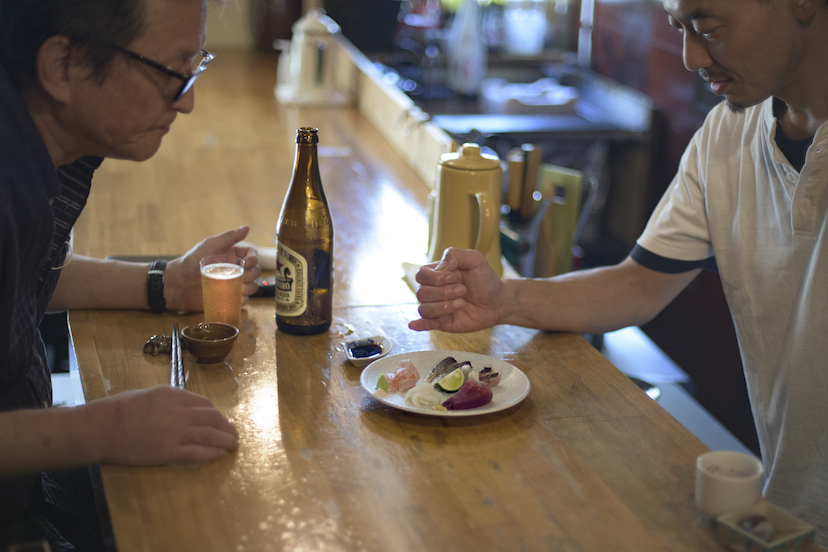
471 395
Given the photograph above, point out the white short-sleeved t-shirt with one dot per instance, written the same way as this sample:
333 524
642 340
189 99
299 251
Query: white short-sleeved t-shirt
737 198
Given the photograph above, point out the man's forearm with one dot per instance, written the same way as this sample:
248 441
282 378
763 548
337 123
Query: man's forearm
46 438
591 301
87 283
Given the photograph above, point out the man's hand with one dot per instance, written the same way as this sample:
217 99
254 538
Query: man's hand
182 283
160 425
460 293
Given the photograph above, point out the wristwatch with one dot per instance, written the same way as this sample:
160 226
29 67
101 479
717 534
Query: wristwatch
155 287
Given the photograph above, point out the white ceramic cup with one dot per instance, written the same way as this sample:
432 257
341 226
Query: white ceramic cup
727 481
524 23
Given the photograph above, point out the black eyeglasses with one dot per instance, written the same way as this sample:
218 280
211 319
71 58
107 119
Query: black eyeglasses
199 66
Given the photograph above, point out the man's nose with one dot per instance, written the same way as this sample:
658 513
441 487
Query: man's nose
694 52
186 102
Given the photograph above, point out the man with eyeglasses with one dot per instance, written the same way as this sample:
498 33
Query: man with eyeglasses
82 80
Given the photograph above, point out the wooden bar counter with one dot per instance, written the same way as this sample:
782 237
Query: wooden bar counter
586 462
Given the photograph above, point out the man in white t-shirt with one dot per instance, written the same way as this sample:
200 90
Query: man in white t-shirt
749 200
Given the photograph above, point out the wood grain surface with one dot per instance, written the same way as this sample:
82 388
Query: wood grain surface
586 463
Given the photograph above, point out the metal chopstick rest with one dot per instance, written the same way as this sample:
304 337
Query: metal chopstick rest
177 378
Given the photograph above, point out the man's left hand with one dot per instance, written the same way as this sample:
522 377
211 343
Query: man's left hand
182 282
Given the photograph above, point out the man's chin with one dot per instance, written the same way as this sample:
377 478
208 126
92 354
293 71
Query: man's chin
136 153
738 107
735 107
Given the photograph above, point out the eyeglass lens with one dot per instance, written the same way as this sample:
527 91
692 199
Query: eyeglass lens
199 64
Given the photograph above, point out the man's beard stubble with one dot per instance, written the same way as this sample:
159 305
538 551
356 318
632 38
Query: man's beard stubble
735 108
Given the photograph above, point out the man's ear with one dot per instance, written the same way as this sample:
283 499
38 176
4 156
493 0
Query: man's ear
805 10
54 68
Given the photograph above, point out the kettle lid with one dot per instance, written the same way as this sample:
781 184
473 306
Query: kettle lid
315 22
470 158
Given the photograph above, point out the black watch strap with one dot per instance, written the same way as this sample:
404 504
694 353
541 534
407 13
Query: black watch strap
155 287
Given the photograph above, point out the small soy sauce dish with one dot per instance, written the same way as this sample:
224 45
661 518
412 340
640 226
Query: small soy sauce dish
362 352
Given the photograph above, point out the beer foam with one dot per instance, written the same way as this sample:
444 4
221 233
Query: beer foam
222 271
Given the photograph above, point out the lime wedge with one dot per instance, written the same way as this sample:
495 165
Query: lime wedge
451 382
382 383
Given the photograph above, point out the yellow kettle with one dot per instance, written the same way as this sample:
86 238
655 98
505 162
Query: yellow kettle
466 212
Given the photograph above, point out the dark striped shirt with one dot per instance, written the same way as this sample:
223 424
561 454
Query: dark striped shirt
38 207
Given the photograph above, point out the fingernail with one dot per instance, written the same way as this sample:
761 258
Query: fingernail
458 303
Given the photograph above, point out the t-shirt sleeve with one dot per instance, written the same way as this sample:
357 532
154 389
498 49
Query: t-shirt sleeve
658 263
677 236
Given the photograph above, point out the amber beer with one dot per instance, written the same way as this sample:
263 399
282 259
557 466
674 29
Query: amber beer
304 267
221 288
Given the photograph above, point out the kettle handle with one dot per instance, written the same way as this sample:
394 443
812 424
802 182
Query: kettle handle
431 214
489 218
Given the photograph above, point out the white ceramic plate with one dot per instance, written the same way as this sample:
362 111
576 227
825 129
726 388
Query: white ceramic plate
513 386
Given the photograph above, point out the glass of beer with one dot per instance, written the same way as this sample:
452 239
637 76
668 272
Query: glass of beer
221 286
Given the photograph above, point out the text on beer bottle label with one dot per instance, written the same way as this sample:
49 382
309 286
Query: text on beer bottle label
291 282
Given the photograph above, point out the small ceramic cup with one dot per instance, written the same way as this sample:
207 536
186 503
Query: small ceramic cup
727 481
210 342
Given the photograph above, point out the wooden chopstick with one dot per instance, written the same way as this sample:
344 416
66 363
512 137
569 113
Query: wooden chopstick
177 378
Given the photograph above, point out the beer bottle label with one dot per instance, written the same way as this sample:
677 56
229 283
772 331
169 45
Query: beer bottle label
291 282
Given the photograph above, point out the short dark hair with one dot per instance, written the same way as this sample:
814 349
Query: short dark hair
91 25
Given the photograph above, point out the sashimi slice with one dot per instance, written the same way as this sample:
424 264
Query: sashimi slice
443 368
489 377
423 395
404 378
471 395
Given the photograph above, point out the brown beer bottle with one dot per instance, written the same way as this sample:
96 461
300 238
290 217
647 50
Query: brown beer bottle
304 264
